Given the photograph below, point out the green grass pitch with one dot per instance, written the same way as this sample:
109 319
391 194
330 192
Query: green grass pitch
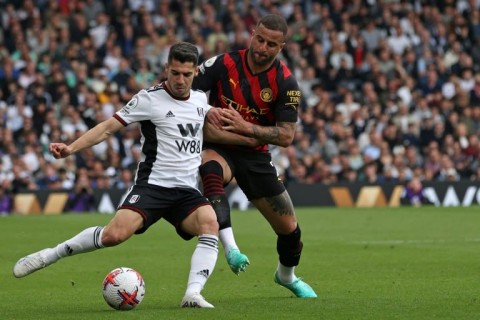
384 263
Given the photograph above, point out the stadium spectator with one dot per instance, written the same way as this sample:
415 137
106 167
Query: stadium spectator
81 198
6 198
125 179
413 194
58 39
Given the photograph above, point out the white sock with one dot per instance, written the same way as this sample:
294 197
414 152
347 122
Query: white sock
87 240
228 240
202 263
286 274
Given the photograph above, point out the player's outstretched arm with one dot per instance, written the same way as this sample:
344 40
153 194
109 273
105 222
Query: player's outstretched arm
92 137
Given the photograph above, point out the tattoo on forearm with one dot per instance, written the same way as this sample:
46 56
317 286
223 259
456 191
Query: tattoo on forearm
268 134
282 204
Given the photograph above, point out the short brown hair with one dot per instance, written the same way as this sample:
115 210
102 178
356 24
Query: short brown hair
274 22
183 52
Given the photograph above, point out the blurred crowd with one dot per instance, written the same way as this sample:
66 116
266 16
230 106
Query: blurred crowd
391 89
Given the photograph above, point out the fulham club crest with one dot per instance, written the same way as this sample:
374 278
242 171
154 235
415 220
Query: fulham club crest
134 198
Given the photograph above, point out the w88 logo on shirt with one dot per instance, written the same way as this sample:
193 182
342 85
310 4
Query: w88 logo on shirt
192 146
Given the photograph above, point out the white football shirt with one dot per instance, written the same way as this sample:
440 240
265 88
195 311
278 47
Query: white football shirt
172 135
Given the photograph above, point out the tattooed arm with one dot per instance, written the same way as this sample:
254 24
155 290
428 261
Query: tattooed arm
212 134
281 135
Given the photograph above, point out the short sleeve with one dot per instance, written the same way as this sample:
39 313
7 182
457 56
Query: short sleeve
288 101
139 108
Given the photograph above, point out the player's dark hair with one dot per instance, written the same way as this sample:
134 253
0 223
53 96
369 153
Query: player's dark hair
274 22
183 52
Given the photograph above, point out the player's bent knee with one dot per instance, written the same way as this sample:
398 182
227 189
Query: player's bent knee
289 247
213 188
208 228
211 167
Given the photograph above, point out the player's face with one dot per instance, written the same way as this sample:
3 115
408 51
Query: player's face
180 77
265 46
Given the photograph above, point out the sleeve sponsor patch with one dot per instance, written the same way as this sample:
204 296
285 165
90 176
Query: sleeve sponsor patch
132 104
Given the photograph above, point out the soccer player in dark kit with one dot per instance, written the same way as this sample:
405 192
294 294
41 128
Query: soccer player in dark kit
259 97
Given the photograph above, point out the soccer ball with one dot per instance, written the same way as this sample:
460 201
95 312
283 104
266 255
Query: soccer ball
123 288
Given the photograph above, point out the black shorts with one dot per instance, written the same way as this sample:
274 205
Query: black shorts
254 171
155 202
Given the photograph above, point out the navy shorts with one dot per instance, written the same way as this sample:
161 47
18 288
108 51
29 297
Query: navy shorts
155 202
254 171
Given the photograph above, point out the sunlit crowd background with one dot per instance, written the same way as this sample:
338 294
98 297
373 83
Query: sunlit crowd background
391 89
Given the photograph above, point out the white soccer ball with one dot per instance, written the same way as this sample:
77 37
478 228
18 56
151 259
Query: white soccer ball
123 288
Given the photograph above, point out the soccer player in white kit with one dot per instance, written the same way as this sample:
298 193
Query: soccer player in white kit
171 117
